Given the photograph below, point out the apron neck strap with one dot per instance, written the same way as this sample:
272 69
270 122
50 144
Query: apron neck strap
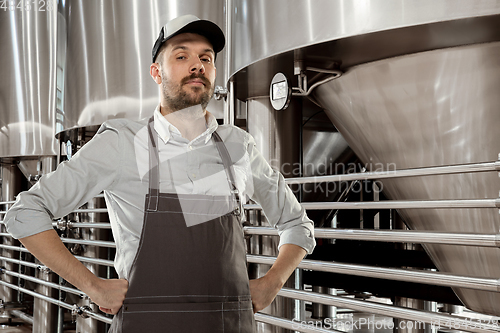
154 161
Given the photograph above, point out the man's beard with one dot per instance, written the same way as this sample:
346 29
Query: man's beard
177 98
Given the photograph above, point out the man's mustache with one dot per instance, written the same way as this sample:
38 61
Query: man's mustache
196 76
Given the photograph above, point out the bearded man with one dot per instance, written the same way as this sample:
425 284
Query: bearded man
174 186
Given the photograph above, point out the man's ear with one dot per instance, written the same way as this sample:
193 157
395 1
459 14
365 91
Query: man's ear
155 72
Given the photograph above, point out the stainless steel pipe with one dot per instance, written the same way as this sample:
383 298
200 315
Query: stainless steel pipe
20 262
23 316
431 171
426 237
89 242
43 282
290 324
103 262
96 225
389 204
433 278
398 204
56 302
433 318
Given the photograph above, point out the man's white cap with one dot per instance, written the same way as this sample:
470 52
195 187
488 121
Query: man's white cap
190 23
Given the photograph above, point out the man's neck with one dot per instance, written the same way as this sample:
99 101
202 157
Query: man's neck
191 122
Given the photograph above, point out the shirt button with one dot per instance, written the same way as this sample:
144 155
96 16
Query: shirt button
194 176
190 147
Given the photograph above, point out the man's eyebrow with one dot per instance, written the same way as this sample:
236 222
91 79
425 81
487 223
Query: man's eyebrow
182 47
210 51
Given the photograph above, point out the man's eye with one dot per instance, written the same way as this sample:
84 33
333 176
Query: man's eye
181 57
206 59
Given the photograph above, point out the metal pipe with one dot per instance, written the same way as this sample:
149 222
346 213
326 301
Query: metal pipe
20 262
426 237
92 210
23 316
43 282
95 210
398 204
389 204
13 201
290 324
57 302
328 79
103 262
89 225
89 242
37 295
433 278
433 318
432 171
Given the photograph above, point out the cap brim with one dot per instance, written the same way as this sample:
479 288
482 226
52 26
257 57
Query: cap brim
208 29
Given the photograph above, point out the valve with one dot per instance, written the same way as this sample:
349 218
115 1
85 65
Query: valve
220 92
80 311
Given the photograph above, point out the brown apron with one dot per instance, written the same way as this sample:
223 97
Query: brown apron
188 276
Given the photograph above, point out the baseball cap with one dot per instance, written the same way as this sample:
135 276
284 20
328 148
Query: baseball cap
190 23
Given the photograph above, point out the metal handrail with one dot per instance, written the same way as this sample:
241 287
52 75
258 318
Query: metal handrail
290 324
102 262
96 225
21 262
429 171
57 302
88 242
13 201
433 318
77 241
23 316
82 210
407 275
380 235
399 204
42 282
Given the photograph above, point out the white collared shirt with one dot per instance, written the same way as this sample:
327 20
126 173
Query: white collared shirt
116 161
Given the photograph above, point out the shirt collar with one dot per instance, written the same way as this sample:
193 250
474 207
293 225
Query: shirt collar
164 128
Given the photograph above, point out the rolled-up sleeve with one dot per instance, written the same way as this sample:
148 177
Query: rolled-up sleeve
92 169
279 204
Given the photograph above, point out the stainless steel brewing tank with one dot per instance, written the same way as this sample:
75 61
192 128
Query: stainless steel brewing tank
108 55
420 88
430 109
28 80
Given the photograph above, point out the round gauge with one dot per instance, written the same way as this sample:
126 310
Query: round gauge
280 92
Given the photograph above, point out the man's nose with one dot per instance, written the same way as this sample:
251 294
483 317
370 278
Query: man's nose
197 66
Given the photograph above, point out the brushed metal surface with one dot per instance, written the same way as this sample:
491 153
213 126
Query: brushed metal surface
263 28
108 54
28 82
429 109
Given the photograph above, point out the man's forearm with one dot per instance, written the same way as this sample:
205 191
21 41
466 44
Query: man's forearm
265 289
289 257
49 249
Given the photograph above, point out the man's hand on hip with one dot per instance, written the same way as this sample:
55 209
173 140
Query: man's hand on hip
109 294
263 291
